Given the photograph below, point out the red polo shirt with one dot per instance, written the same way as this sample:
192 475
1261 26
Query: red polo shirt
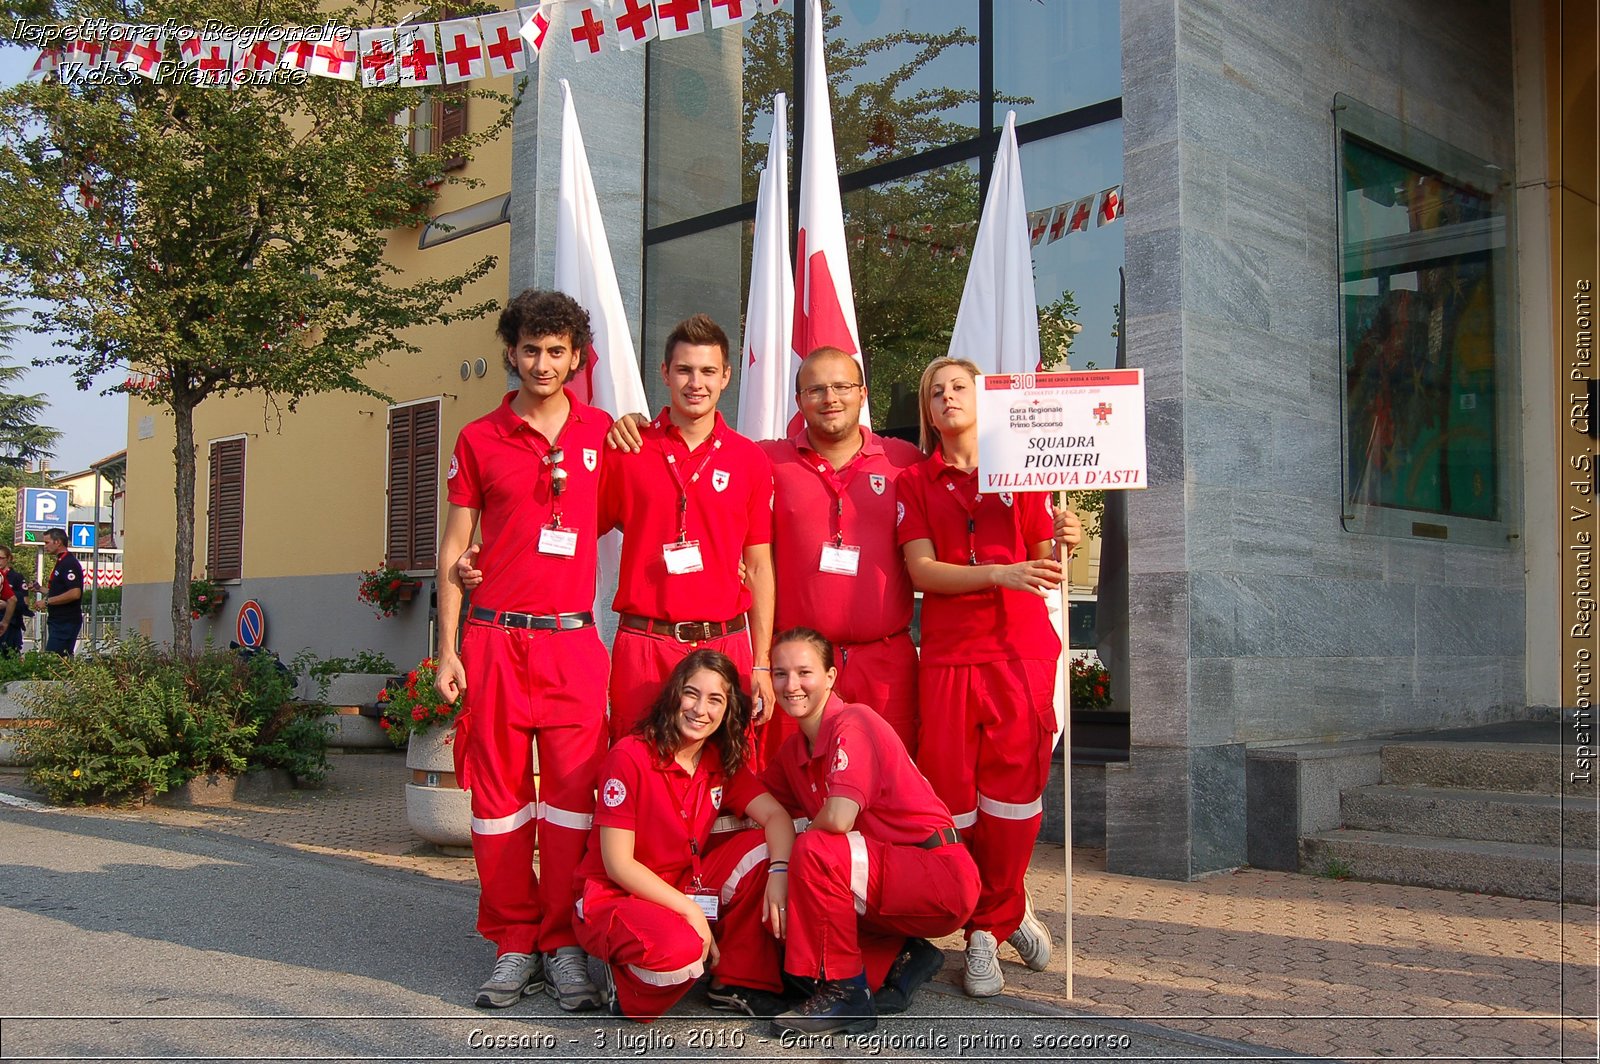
936 502
810 495
858 756
664 806
726 498
499 468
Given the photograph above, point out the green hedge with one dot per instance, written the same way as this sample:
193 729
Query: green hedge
137 721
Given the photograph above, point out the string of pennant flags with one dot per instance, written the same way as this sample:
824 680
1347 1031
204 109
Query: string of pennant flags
1044 226
411 54
1064 219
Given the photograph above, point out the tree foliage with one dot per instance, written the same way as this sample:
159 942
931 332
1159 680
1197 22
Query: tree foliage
193 242
23 440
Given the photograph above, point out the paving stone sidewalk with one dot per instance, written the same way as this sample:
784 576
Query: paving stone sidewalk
1297 963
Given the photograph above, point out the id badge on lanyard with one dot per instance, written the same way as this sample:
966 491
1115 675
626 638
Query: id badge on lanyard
558 542
683 556
840 558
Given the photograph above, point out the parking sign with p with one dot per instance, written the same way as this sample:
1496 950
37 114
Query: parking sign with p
38 511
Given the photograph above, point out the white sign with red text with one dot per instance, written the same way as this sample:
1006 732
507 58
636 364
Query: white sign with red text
1061 431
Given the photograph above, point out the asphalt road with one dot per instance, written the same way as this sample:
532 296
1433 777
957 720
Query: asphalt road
122 940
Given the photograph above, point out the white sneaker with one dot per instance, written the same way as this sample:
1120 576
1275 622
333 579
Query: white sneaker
514 975
983 978
1031 939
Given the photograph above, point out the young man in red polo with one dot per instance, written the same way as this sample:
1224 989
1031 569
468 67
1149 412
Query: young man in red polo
531 665
693 503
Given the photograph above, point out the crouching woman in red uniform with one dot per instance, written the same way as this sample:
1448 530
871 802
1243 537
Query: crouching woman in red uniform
879 870
653 905
989 659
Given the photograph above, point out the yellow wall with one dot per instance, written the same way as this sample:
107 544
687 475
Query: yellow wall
315 478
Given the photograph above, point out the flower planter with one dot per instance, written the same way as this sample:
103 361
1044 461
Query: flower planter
408 591
438 810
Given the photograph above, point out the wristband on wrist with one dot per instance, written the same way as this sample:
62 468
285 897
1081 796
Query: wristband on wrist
777 871
761 668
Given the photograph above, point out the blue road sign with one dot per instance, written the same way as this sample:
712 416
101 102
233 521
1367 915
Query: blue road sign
81 536
251 630
43 509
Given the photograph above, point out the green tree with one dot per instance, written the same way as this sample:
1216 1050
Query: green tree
204 241
22 438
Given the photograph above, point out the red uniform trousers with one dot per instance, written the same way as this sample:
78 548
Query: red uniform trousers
526 687
986 735
653 952
881 675
641 663
853 901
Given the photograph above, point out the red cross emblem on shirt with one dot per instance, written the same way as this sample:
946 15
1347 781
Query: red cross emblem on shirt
505 48
419 60
590 33
463 55
1102 412
633 19
678 11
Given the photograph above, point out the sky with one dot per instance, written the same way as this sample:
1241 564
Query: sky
92 425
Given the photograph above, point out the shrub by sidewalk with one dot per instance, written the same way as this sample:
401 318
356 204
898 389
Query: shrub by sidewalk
137 721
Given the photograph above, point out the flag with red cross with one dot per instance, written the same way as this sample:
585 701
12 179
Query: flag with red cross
335 58
535 27
635 21
297 55
257 55
502 47
215 60
462 47
417 54
119 45
45 65
1110 206
678 18
727 12
1081 212
1058 221
379 63
588 31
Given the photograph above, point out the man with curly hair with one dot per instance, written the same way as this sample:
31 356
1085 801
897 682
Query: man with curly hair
531 665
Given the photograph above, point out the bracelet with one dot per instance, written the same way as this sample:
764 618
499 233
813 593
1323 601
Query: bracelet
778 863
760 668
777 871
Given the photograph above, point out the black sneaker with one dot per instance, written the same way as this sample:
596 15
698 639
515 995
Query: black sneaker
746 1000
838 1005
919 961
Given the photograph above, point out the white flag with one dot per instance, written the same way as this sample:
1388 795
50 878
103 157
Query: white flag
461 46
585 272
824 300
417 48
678 18
501 44
149 49
727 12
997 325
610 377
215 60
635 21
766 386
588 31
376 53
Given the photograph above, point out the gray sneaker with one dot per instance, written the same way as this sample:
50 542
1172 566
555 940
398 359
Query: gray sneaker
514 975
567 980
982 977
1031 940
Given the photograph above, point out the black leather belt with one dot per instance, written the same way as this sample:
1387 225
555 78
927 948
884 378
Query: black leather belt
683 631
559 622
942 837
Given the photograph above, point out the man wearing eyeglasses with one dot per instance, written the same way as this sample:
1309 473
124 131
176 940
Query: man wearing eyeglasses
531 664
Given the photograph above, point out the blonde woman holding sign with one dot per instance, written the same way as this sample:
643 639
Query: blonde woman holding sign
989 659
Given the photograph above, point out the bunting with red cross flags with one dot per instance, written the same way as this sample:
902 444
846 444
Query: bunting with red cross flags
1038 221
1058 221
635 21
297 55
215 60
45 64
461 46
728 12
379 63
417 55
1110 206
502 43
86 52
259 55
1081 212
119 45
535 27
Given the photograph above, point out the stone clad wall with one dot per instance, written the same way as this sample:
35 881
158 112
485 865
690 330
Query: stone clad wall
1254 616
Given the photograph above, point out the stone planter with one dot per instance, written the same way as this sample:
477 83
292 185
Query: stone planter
438 810
352 700
15 711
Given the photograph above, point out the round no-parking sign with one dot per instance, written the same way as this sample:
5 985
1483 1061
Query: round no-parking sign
251 630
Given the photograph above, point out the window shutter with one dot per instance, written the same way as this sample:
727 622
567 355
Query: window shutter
449 122
413 509
225 511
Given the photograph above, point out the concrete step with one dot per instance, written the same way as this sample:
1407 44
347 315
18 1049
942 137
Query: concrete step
1454 813
1515 870
1523 768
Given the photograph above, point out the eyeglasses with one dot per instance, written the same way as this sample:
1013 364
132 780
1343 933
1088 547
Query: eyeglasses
558 476
819 392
